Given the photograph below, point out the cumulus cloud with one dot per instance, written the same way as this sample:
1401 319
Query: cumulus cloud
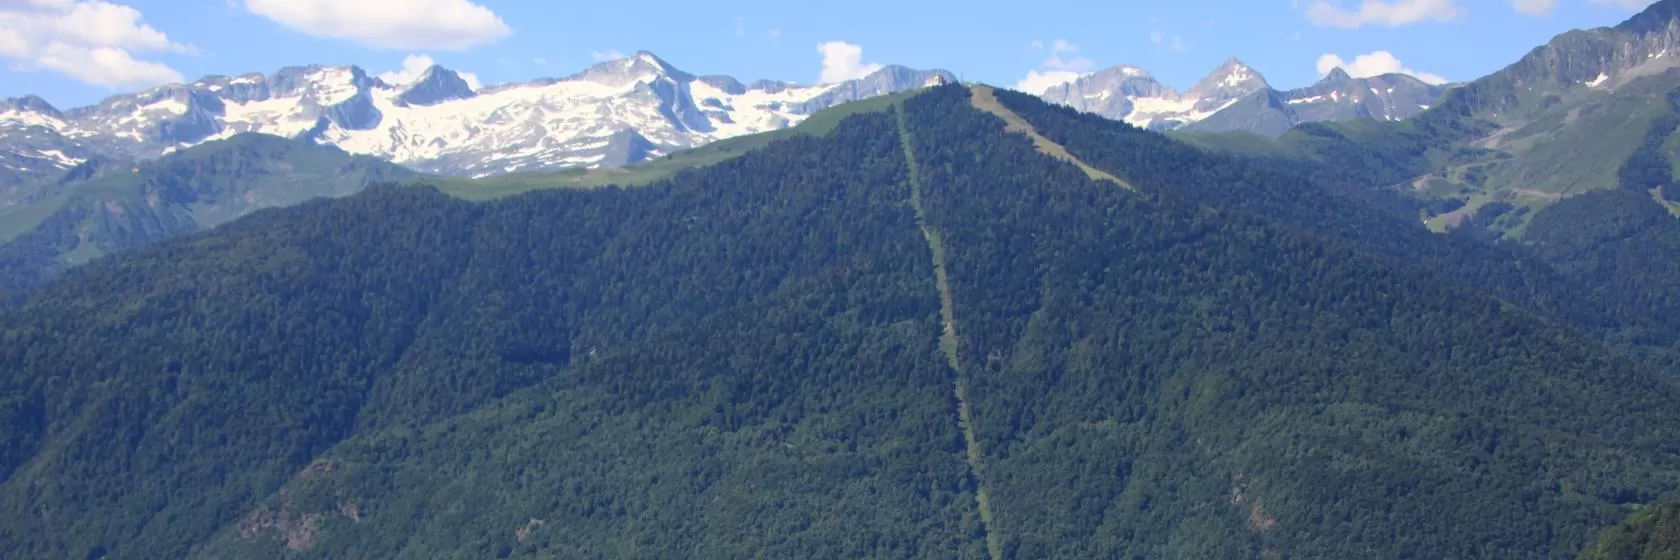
1534 7
389 24
91 41
843 61
1629 5
1373 64
1390 13
415 65
1064 65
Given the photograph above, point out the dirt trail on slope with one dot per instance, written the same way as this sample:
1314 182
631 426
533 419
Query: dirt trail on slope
948 344
985 99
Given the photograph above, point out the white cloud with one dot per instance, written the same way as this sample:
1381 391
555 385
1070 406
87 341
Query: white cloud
1373 64
1629 5
1534 7
1390 13
1036 82
1057 69
390 24
843 61
603 56
91 41
415 65
740 26
539 61
1073 62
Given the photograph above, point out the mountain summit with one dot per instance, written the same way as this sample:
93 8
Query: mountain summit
1230 80
436 86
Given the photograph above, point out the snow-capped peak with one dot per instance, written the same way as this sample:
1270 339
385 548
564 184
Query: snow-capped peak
1231 79
640 67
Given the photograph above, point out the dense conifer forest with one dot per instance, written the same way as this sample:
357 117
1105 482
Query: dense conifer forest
1238 357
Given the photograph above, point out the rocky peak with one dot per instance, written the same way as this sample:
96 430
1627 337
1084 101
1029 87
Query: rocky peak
436 85
1336 77
30 104
643 66
1230 80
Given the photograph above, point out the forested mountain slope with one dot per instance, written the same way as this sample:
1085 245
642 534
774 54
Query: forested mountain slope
751 360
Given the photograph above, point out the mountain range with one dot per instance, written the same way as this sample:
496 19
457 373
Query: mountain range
614 113
1235 97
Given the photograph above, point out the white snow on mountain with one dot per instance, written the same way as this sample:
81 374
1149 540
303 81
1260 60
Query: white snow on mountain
614 113
1130 94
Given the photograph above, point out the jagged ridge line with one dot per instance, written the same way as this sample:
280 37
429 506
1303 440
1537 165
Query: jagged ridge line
948 343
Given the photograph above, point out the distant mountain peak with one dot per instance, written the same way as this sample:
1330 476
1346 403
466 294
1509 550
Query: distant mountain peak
642 66
1336 76
1231 79
436 85
30 103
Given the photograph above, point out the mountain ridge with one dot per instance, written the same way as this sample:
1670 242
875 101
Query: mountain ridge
613 113
1235 97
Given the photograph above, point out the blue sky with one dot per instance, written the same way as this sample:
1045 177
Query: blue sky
75 52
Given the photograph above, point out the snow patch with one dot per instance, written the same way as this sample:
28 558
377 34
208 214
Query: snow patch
1237 76
30 118
333 85
1599 80
58 157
